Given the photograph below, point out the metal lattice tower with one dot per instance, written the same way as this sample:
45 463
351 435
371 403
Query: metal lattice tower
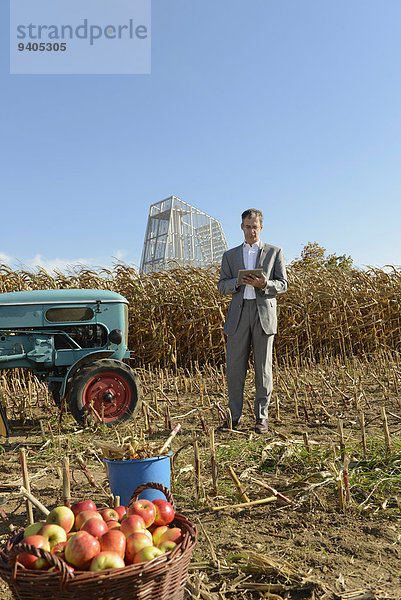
180 234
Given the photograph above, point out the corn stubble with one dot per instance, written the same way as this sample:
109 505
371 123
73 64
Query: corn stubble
176 315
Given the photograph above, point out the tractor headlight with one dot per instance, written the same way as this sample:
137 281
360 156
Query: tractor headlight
116 336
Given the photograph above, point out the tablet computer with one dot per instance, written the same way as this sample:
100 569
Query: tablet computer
244 272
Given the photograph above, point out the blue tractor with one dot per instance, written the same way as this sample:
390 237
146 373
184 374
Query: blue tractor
75 340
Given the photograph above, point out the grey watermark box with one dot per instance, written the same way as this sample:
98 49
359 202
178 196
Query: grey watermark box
80 37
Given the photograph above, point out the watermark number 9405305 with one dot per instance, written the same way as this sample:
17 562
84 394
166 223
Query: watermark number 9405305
42 47
80 37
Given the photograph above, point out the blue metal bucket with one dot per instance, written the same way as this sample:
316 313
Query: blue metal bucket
126 475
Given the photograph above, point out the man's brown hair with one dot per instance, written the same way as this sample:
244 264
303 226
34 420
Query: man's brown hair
252 212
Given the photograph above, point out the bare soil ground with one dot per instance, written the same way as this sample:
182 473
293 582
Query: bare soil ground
310 549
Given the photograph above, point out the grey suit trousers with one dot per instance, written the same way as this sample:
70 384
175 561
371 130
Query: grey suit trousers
249 333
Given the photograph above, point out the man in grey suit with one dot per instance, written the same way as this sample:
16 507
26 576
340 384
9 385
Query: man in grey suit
252 316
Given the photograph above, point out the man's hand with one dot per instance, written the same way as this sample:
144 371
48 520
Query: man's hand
258 282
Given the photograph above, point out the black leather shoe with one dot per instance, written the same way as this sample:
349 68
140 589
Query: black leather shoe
261 426
225 426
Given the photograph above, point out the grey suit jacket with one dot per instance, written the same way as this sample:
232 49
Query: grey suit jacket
271 260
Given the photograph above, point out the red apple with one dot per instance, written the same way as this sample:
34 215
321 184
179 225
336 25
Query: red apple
78 507
58 549
70 569
147 553
115 541
113 524
33 528
54 533
121 511
63 516
172 534
136 542
30 561
94 526
164 512
109 514
167 546
84 516
106 560
80 549
131 524
157 534
145 509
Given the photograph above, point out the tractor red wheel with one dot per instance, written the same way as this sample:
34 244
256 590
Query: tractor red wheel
107 386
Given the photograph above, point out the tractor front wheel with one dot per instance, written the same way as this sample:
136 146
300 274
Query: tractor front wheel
104 388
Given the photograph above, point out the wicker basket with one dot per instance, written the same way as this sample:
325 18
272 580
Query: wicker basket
162 578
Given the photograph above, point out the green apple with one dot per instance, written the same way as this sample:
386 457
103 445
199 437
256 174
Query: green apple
147 553
157 534
106 560
33 528
54 533
167 546
63 516
173 534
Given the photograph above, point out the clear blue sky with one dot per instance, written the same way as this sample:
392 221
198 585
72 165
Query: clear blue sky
290 106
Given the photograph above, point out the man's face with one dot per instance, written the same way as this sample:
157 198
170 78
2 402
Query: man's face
251 228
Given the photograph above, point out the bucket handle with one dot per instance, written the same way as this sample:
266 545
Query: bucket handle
153 486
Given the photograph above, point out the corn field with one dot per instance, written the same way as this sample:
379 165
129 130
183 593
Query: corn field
279 516
176 316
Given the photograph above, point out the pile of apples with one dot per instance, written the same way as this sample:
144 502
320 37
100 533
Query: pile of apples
91 539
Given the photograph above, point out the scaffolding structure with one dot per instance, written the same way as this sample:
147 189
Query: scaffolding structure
179 234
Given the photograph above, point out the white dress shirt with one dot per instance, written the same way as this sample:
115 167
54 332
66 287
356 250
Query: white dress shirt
250 254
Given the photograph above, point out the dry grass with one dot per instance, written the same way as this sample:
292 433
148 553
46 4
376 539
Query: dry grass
273 559
176 316
340 363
